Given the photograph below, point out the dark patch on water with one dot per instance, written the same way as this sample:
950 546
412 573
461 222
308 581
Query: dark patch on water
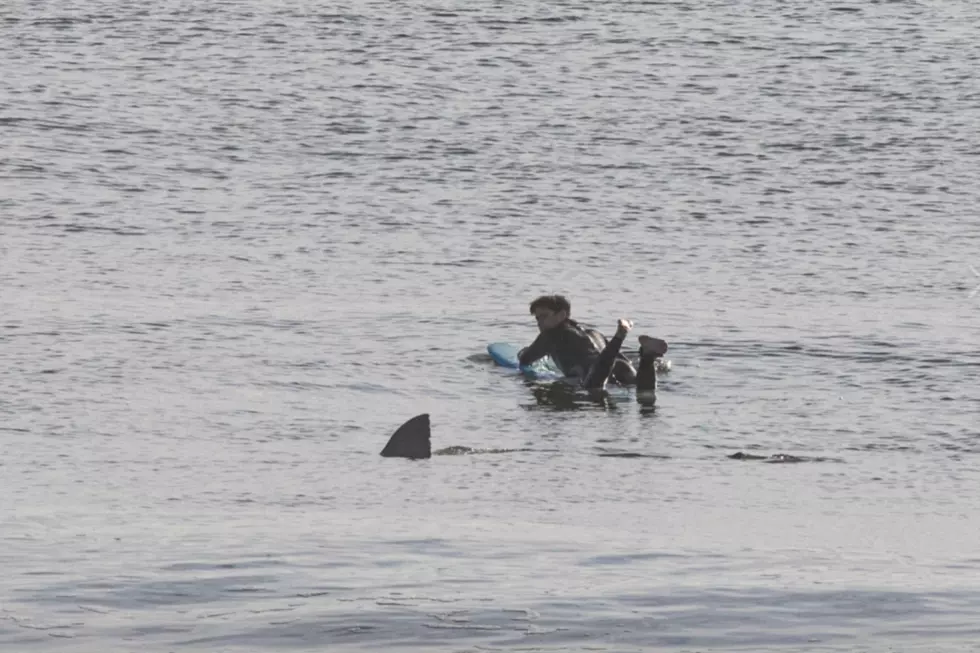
783 458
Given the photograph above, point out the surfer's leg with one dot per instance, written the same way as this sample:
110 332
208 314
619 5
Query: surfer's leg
623 371
598 375
646 376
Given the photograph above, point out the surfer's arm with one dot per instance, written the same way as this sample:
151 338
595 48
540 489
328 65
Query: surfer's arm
537 349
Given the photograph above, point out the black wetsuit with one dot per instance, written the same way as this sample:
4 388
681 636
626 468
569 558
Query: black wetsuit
586 355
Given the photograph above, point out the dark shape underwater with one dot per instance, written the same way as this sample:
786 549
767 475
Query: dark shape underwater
413 439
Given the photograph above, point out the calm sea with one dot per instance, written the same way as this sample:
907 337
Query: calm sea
242 241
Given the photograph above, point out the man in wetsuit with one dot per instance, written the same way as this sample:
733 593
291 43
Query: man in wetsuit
584 353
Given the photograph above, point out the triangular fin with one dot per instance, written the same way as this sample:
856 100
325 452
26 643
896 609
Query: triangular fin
411 440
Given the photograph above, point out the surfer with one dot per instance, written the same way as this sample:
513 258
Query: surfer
585 353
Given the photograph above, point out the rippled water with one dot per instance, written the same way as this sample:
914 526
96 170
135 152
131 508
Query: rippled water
241 242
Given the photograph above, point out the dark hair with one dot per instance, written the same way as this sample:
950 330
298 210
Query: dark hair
555 303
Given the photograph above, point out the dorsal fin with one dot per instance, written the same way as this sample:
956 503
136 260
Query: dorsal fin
411 440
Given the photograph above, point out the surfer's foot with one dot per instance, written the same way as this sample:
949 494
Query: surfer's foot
651 348
624 327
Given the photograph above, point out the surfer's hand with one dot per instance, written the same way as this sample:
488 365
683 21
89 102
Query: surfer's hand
624 327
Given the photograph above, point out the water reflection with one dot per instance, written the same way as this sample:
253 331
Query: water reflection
561 396
647 401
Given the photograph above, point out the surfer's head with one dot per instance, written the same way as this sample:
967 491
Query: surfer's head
550 311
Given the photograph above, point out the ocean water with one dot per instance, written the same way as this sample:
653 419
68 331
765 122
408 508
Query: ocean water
242 241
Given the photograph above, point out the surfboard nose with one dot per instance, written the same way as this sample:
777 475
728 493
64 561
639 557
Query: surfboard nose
411 440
